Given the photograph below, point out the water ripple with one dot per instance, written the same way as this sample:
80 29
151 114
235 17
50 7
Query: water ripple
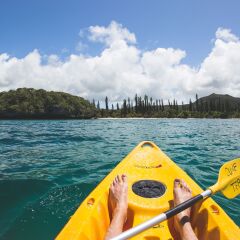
48 167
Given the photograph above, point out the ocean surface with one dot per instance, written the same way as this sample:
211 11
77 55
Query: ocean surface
48 167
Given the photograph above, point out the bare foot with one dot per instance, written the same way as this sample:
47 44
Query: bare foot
118 195
181 194
118 200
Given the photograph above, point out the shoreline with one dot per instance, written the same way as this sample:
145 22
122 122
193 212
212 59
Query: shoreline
139 118
105 118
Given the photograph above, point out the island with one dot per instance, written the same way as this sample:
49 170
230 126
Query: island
29 103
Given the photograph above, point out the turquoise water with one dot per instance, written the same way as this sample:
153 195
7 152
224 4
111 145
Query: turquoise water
48 167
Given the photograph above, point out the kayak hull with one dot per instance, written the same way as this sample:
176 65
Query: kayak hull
148 162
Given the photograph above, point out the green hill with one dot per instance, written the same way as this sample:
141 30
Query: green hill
218 102
29 103
215 106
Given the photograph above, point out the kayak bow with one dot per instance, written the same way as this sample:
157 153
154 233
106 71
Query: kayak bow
150 189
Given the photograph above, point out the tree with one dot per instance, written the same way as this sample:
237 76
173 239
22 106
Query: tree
98 105
124 107
176 105
197 105
136 103
129 105
201 105
162 105
140 104
151 101
190 105
157 106
219 105
159 103
145 103
106 102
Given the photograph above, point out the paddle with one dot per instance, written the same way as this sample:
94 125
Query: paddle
228 183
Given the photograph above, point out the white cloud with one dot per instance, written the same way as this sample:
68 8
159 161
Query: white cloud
113 34
122 69
226 35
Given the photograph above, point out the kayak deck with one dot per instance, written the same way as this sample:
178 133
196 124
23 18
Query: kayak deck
147 162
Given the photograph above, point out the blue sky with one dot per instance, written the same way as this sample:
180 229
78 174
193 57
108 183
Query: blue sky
166 49
51 26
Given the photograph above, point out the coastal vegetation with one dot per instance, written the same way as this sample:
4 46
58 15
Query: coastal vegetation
29 103
212 106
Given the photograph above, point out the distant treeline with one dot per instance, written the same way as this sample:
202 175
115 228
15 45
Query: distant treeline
212 106
29 103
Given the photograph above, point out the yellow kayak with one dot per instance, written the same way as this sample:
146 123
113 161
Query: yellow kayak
150 192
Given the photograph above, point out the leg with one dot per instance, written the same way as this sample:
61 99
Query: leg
118 197
182 220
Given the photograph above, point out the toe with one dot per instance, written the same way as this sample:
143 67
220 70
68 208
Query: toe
124 178
184 185
189 189
177 183
118 179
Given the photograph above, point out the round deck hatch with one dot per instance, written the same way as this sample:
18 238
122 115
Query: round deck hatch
149 188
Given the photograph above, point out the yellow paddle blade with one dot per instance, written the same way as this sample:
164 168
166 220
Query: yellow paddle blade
228 179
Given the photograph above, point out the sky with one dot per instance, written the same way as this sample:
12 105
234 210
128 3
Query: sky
166 49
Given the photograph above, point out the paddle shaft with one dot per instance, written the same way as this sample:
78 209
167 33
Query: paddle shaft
162 217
